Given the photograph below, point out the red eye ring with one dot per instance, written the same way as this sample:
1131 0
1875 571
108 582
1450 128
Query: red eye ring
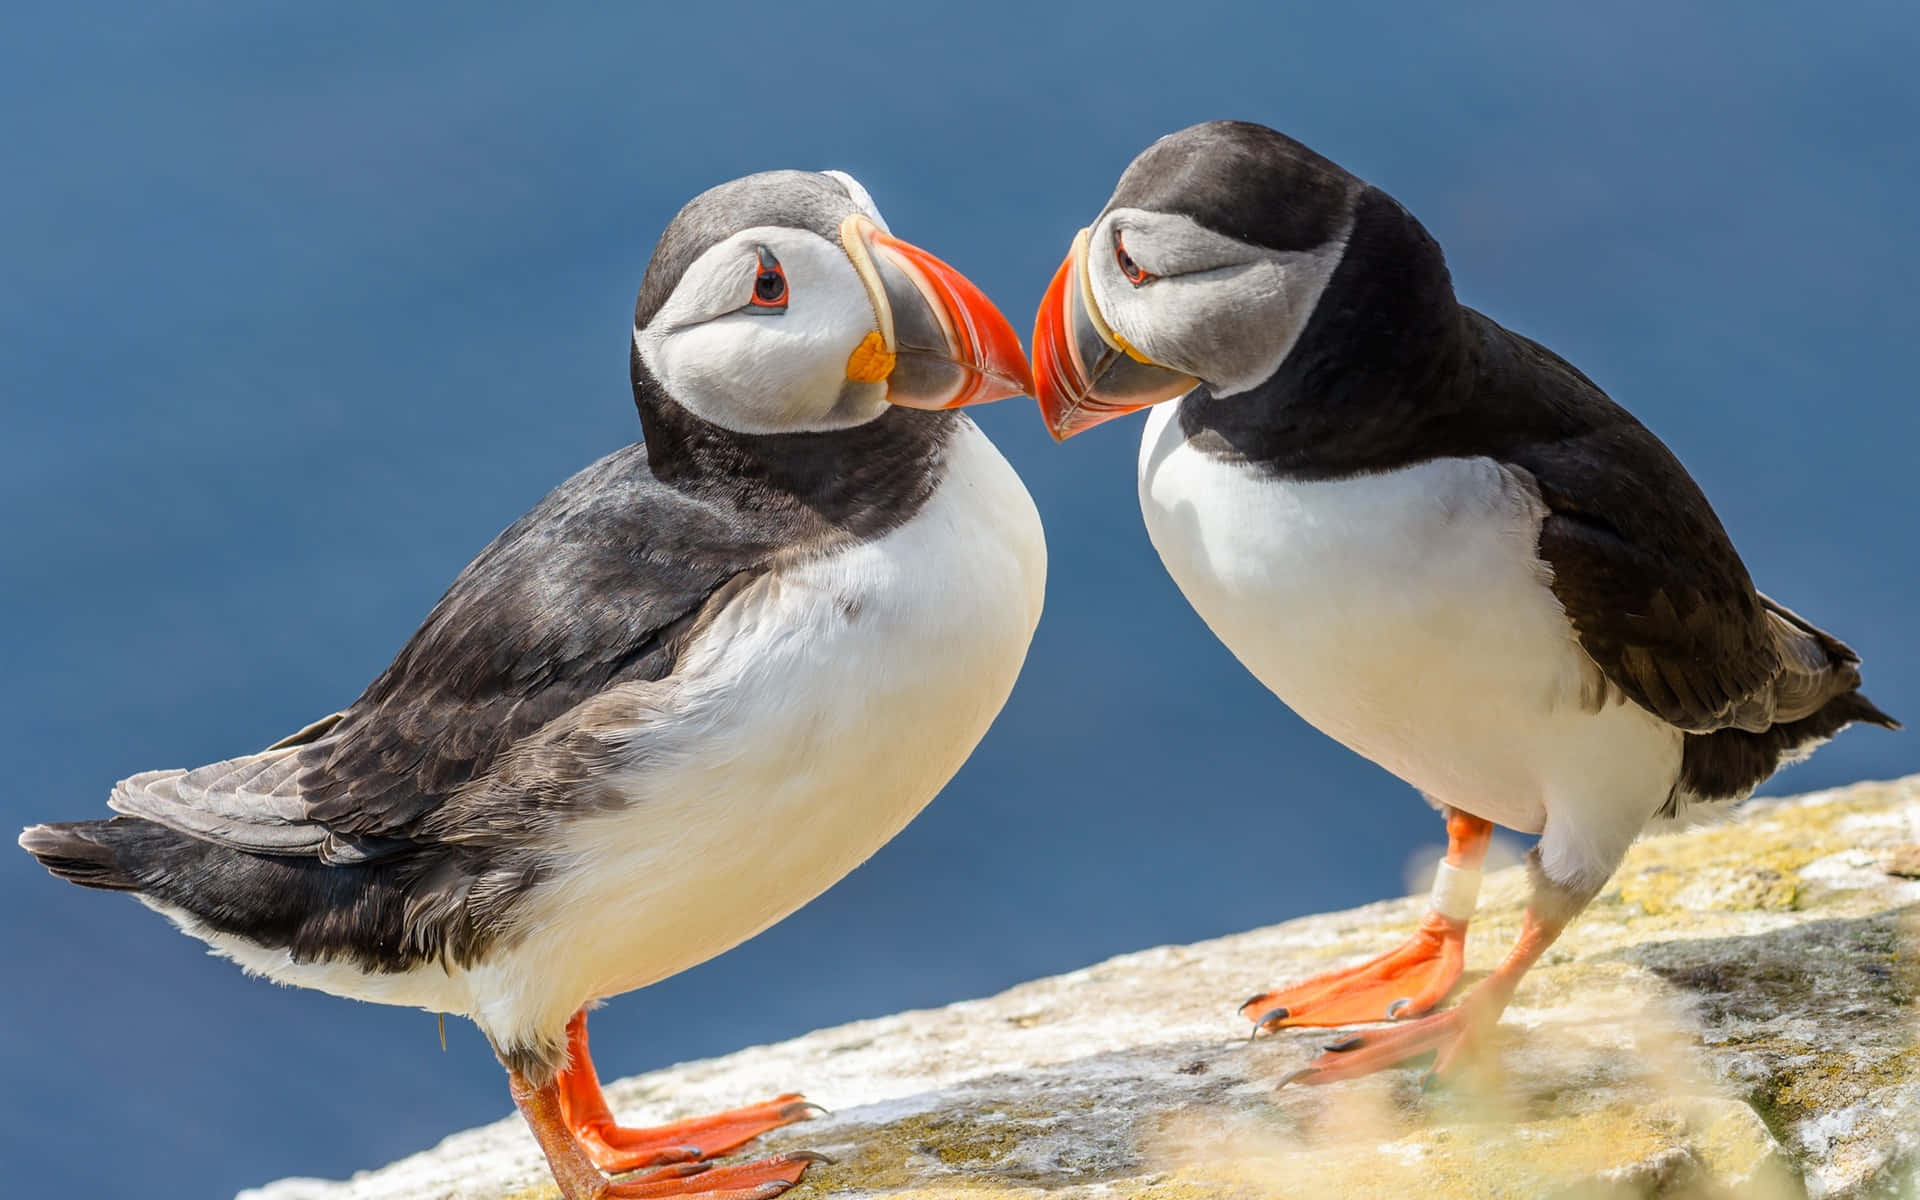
769 283
1135 273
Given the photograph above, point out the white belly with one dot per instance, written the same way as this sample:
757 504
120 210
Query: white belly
1407 615
817 717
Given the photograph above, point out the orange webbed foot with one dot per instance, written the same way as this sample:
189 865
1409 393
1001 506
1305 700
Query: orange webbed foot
558 1109
1405 982
742 1181
1408 980
1447 1035
1452 1036
614 1147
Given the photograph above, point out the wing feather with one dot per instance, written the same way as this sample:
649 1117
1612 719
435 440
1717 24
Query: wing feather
1649 579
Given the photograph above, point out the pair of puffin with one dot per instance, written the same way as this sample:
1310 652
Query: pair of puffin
713 672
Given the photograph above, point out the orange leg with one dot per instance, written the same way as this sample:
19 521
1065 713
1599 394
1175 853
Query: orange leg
579 1179
613 1147
1448 1035
1408 980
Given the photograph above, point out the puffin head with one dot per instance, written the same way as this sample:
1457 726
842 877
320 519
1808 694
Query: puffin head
1204 268
780 303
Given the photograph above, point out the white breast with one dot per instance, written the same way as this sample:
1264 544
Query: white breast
1408 615
817 716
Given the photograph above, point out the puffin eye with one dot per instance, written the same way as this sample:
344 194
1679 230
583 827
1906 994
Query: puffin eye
1135 273
769 285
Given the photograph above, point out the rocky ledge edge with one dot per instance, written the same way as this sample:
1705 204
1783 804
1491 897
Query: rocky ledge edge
1735 1016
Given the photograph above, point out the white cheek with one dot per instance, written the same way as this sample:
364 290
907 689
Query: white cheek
783 373
1272 302
1231 327
722 371
1136 314
1176 322
1234 327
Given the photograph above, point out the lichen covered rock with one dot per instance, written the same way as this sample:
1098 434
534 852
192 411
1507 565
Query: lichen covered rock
1735 1016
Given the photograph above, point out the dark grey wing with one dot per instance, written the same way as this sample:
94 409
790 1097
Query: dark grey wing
1648 576
1654 589
594 588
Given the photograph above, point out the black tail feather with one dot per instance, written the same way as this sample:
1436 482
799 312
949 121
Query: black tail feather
1862 709
81 852
385 915
1730 763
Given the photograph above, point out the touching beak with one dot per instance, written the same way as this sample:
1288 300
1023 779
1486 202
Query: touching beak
941 343
1086 372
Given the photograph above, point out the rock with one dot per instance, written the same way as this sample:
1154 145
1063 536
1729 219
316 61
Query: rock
1735 1016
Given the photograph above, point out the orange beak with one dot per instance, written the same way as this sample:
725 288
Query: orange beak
940 343
1085 372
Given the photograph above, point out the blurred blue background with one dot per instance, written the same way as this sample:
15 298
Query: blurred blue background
302 303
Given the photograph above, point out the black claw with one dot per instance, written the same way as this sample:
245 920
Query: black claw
810 1156
1302 1073
1266 1019
1248 1002
805 1110
1399 1006
1346 1043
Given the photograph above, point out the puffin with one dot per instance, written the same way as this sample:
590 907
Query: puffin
694 686
1434 539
